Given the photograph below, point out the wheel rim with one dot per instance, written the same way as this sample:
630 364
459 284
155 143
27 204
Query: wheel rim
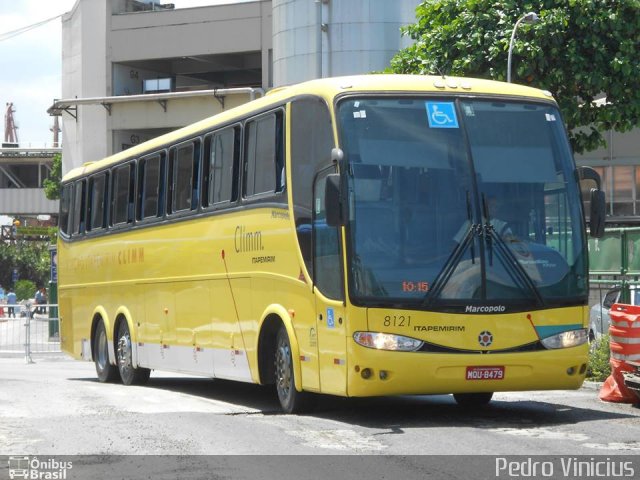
124 353
283 370
102 350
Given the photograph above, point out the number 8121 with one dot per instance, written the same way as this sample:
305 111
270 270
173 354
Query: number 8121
397 321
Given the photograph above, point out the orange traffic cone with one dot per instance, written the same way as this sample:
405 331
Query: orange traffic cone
624 340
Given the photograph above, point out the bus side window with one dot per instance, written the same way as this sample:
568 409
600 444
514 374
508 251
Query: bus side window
281 174
79 204
122 191
97 202
310 151
264 157
221 166
183 177
150 187
65 208
327 270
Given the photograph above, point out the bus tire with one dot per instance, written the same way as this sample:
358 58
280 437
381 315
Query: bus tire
290 399
129 374
473 399
107 373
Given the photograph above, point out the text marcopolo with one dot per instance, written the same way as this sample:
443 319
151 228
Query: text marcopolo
485 309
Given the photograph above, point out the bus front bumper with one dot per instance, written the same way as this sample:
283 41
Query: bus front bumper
378 372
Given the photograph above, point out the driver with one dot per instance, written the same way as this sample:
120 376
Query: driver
497 213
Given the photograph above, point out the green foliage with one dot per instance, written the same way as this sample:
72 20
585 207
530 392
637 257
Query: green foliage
578 51
31 259
52 184
598 368
25 289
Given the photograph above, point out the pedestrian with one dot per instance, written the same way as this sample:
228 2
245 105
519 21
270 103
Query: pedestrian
41 299
45 300
11 303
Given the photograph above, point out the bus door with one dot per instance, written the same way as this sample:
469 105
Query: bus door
329 295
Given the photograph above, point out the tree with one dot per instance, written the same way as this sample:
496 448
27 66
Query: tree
579 51
52 184
25 289
30 259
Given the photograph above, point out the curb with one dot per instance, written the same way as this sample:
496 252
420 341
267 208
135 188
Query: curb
589 385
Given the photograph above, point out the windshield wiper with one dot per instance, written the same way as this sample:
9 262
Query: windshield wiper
487 225
472 250
514 269
452 262
511 263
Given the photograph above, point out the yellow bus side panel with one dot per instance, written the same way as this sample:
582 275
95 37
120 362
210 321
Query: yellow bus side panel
190 303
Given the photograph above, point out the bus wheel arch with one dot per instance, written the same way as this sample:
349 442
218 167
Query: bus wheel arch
126 354
274 317
279 361
292 399
106 371
267 348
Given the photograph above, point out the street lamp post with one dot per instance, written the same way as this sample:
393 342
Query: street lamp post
530 18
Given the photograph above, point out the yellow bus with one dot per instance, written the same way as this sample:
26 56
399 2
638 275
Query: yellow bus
355 236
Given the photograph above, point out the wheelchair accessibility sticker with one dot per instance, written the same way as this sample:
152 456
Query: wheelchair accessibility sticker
442 114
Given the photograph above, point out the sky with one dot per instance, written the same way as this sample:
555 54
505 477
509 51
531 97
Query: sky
30 75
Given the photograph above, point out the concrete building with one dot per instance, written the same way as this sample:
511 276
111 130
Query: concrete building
619 166
134 73
132 70
22 173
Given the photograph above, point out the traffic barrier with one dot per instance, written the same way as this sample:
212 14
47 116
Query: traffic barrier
29 332
624 341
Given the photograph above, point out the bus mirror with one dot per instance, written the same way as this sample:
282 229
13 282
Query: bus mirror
332 203
597 213
598 209
588 173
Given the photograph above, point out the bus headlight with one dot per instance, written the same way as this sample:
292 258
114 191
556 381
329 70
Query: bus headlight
387 341
572 338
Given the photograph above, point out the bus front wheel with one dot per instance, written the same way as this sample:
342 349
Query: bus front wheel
473 399
106 372
291 400
129 374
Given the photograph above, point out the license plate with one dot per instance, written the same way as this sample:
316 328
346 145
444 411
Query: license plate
485 373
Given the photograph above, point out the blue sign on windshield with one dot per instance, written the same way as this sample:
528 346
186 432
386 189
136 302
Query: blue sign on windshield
441 114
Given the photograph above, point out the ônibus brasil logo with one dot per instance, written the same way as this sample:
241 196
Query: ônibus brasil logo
37 469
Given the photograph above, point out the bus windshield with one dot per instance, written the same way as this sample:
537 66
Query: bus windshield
459 202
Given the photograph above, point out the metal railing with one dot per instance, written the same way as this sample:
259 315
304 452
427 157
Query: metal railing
614 259
27 329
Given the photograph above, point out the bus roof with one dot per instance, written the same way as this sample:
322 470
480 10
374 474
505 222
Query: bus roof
326 88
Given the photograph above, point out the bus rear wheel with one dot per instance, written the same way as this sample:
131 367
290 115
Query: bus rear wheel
129 374
290 399
106 372
473 399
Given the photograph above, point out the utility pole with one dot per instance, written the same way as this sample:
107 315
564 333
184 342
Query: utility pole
56 131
